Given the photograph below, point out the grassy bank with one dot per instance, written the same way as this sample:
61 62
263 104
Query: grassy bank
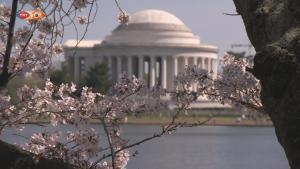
218 120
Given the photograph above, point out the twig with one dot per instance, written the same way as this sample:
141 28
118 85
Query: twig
119 7
164 131
231 14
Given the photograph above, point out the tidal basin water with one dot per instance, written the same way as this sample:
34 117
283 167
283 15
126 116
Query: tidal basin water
203 147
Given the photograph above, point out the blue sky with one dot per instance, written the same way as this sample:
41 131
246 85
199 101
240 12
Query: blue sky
204 17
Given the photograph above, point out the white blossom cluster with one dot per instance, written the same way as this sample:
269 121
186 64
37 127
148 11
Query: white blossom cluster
33 3
80 3
62 107
73 147
32 53
236 86
123 17
82 20
85 144
45 142
184 83
4 12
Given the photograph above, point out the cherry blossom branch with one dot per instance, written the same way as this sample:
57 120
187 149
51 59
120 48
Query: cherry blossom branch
171 127
246 104
3 20
112 151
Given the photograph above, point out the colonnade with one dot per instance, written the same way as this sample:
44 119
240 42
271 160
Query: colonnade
155 70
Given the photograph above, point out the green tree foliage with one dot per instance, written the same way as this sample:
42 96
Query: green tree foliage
97 78
60 76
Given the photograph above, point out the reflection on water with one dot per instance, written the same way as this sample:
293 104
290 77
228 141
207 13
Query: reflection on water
199 148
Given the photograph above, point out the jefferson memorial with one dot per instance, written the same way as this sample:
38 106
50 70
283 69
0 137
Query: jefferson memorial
154 45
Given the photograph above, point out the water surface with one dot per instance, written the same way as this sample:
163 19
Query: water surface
204 147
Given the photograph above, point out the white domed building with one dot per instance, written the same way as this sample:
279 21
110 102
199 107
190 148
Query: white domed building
155 46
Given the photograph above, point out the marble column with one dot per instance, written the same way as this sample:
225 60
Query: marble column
119 67
175 66
141 67
152 71
186 61
195 62
186 64
129 66
164 72
209 65
174 71
215 68
203 63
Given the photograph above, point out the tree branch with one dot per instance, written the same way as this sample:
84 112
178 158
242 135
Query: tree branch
231 14
111 146
4 77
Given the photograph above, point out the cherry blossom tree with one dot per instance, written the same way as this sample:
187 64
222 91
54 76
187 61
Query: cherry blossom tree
30 49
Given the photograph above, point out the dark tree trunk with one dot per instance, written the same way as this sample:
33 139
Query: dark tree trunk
4 76
12 157
273 26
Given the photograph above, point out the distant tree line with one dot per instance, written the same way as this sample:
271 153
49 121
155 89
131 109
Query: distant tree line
96 77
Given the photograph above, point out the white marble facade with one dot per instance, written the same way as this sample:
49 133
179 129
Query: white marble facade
155 46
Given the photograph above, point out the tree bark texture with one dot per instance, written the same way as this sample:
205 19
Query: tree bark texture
4 76
273 27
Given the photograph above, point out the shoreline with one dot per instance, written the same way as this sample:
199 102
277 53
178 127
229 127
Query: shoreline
210 125
216 121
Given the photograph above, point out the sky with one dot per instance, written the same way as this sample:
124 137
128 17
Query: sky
204 17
